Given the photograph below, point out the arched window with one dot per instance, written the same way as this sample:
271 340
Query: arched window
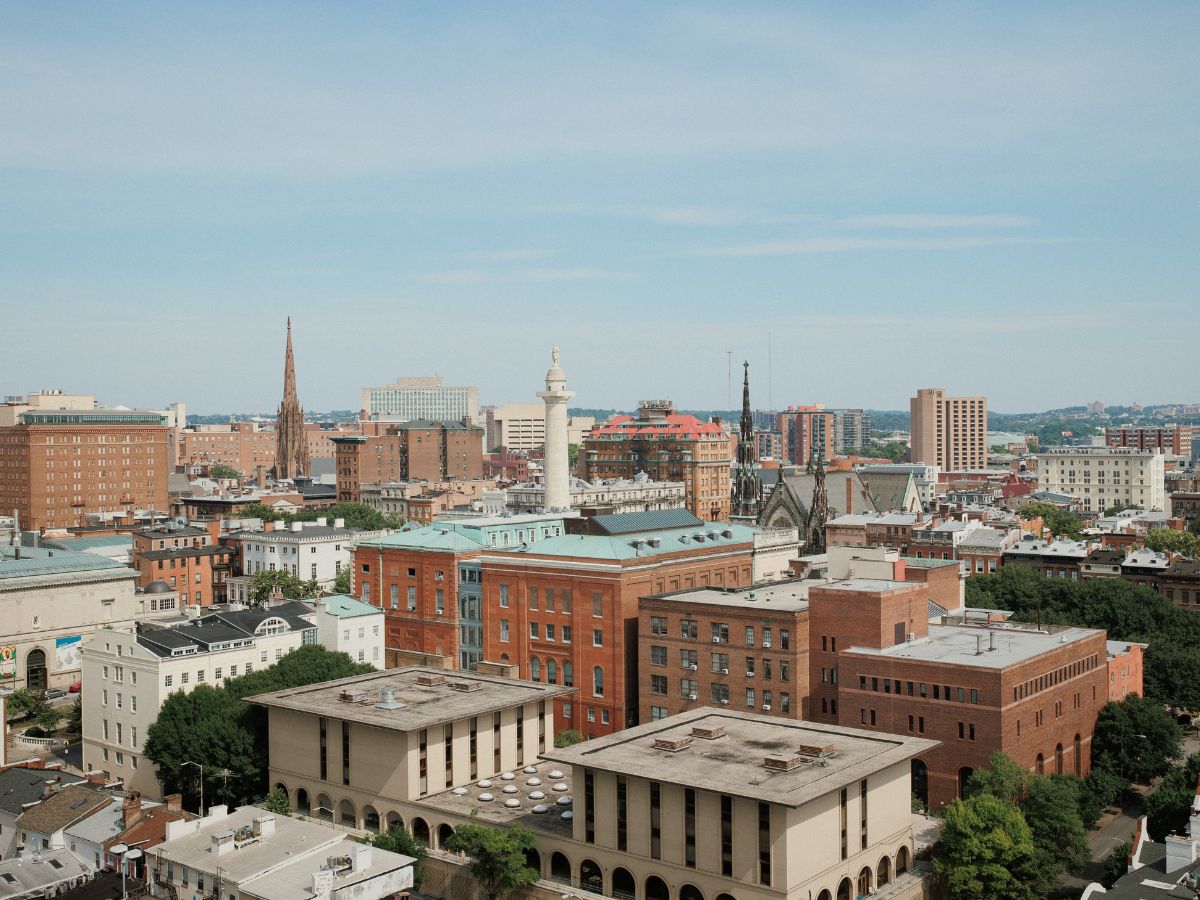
597 682
845 889
551 672
535 669
347 814
568 673
533 859
1078 756
656 889
420 830
394 820
883 872
690 892
303 802
623 885
825 895
444 834
964 775
370 818
901 861
920 782
1041 764
560 868
864 881
324 807
35 669
1058 759
590 877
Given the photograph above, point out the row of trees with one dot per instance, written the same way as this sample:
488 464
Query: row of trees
215 727
1128 612
357 515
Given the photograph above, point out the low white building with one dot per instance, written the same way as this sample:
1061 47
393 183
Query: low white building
774 550
128 673
307 550
253 855
623 495
350 626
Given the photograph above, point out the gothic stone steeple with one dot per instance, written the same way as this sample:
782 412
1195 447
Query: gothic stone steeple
747 491
818 510
291 444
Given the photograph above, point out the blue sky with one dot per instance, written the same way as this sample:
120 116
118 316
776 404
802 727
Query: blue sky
997 199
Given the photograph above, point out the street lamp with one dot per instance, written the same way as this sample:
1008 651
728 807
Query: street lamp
201 768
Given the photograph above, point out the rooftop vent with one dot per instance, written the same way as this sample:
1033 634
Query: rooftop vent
815 750
653 542
672 745
727 533
387 700
782 762
353 695
712 535
431 680
708 732
466 686
684 539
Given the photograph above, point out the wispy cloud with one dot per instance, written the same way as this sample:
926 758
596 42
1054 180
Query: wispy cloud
524 276
808 245
917 221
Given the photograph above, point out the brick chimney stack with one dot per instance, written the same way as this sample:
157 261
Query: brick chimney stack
174 803
131 809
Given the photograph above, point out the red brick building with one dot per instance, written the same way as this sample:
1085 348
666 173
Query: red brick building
188 558
567 607
407 451
1124 669
1174 440
804 430
877 662
667 446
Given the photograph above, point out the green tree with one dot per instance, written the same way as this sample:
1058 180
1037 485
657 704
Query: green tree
985 851
499 864
1051 810
1170 806
263 584
567 737
309 664
1002 777
1116 864
47 719
23 702
207 726
222 470
1061 522
341 581
1167 540
892 450
1119 508
397 840
1136 739
75 719
1099 790
277 802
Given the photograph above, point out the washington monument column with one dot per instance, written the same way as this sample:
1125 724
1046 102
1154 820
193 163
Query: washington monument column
558 476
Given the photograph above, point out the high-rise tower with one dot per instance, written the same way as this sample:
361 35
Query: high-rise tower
557 468
747 482
291 444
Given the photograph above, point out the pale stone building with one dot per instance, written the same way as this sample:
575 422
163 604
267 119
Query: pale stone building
1102 477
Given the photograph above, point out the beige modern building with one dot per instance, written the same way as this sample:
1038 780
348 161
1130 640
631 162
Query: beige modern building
1102 477
950 432
51 602
522 427
707 805
128 673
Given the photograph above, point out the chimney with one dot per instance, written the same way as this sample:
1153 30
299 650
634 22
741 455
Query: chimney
849 496
991 640
264 826
174 803
297 526
131 809
339 523
260 475
322 521
1181 851
281 524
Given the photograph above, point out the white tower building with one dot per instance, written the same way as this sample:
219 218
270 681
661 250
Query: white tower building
558 476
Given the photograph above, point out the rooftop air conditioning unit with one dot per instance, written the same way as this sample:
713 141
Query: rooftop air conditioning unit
766 707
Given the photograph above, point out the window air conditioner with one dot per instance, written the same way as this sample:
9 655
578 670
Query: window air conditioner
766 707
766 643
724 702
749 674
692 667
691 696
716 640
724 671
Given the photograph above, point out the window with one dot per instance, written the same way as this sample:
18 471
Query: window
689 688
785 639
412 597
658 655
658 684
597 682
504 631
689 827
687 628
720 663
720 633
597 604
655 820
656 713
750 698
566 600
566 634
533 598
534 630
749 635
720 693
549 599
504 596
167 679
549 631
658 625
597 637
726 835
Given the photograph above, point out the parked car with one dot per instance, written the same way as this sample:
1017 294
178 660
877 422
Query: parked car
55 693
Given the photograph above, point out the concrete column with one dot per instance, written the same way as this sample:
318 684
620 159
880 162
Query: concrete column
558 478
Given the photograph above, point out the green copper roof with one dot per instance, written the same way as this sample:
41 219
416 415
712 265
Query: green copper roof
346 607
39 562
625 523
634 545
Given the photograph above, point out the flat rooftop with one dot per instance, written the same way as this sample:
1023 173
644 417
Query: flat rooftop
417 705
539 805
1016 642
871 585
733 763
785 596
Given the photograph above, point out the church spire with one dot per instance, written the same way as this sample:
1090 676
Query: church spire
747 483
291 443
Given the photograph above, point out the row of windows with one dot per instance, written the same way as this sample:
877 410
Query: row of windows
219 671
1059 675
919 689
689 629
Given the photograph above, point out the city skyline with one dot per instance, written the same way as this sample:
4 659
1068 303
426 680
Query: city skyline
928 186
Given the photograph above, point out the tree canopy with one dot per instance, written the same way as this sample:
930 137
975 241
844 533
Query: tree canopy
357 515
1136 738
223 470
263 584
212 726
499 863
985 851
398 840
1169 807
1127 611
1061 522
1167 540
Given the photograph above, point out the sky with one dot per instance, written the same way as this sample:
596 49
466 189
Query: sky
860 199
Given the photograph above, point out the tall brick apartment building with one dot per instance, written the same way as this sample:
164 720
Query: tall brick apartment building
974 684
58 466
667 446
407 451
